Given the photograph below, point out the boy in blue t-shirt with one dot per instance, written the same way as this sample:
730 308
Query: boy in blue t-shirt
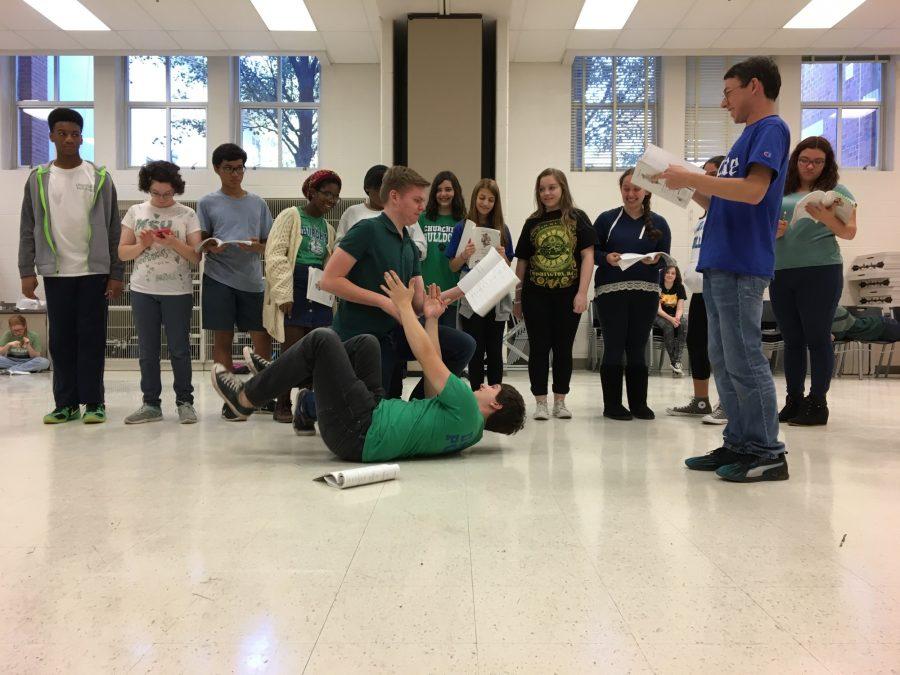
738 262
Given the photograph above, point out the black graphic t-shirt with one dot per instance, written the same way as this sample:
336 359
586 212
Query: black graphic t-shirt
553 250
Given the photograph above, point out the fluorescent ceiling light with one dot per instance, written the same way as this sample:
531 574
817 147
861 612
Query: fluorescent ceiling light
68 14
284 14
822 13
604 14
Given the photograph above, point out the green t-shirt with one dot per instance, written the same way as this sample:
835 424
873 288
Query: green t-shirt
450 422
806 243
377 246
845 326
436 266
20 352
314 240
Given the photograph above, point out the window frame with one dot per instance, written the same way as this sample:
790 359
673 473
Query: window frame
840 105
731 130
581 107
279 105
39 103
168 105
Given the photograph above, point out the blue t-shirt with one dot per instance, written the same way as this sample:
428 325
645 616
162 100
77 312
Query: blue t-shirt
451 251
229 219
740 237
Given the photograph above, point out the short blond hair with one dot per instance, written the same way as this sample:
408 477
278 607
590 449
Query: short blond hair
17 320
400 178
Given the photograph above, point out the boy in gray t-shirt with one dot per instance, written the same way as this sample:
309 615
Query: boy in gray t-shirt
232 274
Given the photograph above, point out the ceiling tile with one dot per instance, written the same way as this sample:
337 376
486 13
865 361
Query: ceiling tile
592 39
785 38
516 14
199 40
177 14
231 16
769 13
350 46
120 14
645 38
873 14
514 36
19 16
691 38
742 38
543 15
347 15
885 39
658 13
150 40
251 40
100 39
846 38
713 13
299 41
542 45
13 41
55 40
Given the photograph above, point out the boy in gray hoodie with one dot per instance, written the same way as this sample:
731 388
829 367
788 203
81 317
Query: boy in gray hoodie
69 234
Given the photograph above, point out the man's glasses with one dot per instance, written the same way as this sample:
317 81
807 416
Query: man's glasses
232 169
728 92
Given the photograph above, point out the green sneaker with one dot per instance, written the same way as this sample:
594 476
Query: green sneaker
67 413
94 414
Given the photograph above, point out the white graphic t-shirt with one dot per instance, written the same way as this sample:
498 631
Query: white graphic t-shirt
159 270
70 193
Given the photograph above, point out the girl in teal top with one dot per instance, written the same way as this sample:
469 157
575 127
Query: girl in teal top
809 279
446 207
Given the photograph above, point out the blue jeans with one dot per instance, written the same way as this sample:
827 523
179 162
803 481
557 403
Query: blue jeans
151 312
746 389
29 365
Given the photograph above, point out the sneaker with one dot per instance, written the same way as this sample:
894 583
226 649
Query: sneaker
255 363
229 415
304 425
713 460
813 412
541 412
283 412
229 388
561 411
68 413
752 469
146 413
94 414
717 416
791 409
677 369
268 407
696 408
186 413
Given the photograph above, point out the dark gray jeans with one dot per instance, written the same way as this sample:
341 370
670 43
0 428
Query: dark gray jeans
151 312
346 377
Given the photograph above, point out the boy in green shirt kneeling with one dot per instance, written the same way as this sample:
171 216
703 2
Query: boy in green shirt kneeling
356 422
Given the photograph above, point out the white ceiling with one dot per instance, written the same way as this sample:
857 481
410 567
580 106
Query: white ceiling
349 31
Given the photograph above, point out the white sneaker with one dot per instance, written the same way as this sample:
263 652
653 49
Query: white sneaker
561 411
541 412
717 416
677 369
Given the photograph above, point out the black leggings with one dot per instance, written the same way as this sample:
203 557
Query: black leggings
804 300
551 323
488 335
625 320
697 338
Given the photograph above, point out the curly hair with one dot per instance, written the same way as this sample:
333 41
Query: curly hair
64 115
652 231
316 180
457 206
510 417
161 171
827 180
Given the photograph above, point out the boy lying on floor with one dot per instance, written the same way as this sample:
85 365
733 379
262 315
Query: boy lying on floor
356 423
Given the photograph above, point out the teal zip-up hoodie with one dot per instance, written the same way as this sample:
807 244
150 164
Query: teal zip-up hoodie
37 249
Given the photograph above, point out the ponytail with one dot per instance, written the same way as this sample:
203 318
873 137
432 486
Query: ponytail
653 232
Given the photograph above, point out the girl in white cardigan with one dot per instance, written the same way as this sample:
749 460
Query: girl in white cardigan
300 239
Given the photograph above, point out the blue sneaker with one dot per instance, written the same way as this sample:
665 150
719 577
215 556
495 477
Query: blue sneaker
752 469
304 417
713 460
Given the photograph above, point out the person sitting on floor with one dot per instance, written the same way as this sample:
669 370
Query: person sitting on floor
20 348
356 422
846 326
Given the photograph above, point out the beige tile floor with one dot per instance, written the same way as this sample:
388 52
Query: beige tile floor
576 546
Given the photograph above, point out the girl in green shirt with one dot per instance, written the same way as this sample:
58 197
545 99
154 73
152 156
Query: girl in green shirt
446 207
809 278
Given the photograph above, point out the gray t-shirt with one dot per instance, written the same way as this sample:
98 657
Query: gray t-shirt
228 219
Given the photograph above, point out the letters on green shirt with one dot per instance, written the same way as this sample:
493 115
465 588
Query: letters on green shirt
436 266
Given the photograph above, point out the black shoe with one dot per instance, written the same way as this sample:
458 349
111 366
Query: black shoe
228 414
229 388
611 381
791 409
813 412
283 412
303 424
753 469
712 460
268 407
636 388
255 363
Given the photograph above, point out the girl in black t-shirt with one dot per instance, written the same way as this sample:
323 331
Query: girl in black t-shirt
555 256
670 317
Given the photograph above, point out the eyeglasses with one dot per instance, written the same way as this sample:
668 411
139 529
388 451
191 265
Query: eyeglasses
232 169
329 195
162 195
810 162
727 92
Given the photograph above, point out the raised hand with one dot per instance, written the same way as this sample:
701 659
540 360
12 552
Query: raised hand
399 294
434 307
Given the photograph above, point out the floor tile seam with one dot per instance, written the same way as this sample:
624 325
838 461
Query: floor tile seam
471 566
343 579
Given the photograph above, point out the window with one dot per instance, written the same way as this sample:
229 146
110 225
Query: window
42 84
708 128
280 110
167 109
614 110
842 101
